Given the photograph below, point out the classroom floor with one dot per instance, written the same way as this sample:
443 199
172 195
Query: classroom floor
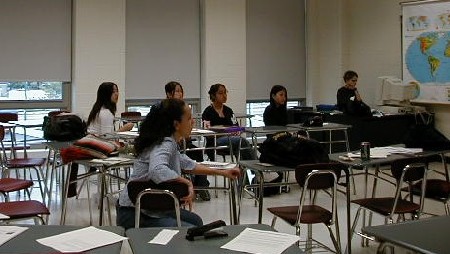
217 208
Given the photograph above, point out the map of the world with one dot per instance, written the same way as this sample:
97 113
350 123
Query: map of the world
428 57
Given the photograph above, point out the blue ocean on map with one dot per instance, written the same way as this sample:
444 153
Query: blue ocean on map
420 63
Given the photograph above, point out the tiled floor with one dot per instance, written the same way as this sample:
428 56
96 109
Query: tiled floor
217 208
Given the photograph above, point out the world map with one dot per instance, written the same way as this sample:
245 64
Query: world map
428 57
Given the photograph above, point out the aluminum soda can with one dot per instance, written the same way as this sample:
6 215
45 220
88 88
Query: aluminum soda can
365 151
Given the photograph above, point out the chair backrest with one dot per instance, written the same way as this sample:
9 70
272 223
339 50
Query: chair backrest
156 202
408 172
6 117
130 114
319 181
156 197
417 164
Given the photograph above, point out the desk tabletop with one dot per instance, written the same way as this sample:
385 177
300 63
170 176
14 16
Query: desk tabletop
412 234
263 167
28 123
139 238
324 127
26 241
357 162
269 129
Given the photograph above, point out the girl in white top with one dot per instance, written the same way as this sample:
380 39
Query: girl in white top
101 118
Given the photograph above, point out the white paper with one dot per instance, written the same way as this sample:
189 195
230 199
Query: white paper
164 236
3 216
218 164
385 151
81 240
201 131
261 242
111 160
129 133
9 232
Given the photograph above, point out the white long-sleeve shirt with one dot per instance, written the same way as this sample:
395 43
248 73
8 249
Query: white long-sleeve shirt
104 123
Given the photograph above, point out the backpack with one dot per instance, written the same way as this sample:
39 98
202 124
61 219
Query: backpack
286 149
64 127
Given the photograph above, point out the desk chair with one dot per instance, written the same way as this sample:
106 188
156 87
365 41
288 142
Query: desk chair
407 172
21 210
8 164
436 189
311 179
12 146
148 195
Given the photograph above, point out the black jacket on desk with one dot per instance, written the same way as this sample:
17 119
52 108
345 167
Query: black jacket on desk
274 115
350 106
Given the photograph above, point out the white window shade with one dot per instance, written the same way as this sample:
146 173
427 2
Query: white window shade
276 52
35 40
162 44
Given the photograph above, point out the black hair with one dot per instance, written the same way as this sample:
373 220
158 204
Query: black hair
159 123
275 89
349 75
104 92
213 90
171 87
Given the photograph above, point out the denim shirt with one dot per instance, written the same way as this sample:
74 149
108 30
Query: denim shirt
159 163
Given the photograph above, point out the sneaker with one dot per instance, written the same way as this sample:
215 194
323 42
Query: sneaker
204 195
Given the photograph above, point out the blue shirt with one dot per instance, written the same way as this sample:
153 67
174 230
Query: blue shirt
160 163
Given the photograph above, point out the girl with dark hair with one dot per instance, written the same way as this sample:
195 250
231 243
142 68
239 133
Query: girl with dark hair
219 114
276 112
174 90
348 98
101 117
100 121
159 159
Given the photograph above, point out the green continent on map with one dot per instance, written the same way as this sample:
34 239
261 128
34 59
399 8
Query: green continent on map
427 42
447 49
434 64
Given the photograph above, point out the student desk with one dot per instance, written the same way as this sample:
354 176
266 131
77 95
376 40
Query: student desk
139 238
329 128
255 132
26 241
260 169
413 235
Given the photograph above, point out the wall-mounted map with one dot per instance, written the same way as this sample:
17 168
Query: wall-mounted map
426 48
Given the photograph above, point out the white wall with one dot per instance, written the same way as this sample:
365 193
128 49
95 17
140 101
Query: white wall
362 35
98 51
224 50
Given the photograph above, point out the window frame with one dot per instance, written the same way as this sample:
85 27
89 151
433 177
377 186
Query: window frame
63 104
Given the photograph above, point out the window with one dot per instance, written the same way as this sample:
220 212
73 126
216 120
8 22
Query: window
32 100
29 91
257 108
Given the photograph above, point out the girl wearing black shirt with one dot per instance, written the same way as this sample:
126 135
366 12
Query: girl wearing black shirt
219 114
276 112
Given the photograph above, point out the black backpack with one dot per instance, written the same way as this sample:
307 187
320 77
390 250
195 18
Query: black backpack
286 149
64 127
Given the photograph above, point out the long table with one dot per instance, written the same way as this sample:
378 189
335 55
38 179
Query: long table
26 241
139 238
413 235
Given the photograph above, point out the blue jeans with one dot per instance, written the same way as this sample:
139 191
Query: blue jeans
125 218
